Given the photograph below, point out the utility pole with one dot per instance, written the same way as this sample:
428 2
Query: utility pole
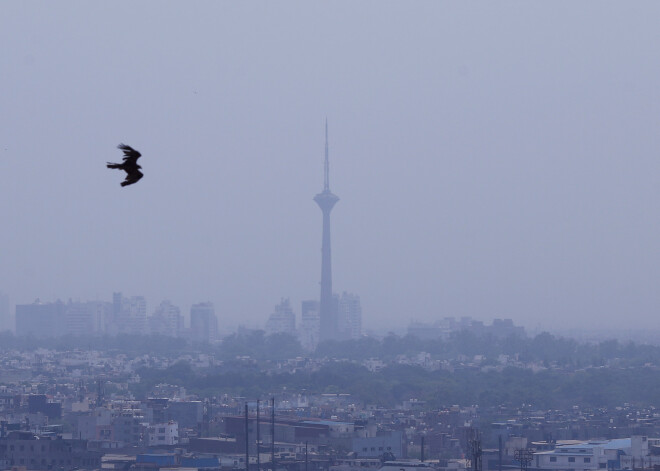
524 456
422 453
272 434
247 441
100 392
258 440
474 445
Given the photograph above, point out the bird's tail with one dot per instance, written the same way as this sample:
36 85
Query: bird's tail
113 165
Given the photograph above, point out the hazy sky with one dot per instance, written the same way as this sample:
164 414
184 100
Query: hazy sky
493 159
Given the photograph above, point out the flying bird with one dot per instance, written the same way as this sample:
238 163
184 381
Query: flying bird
129 165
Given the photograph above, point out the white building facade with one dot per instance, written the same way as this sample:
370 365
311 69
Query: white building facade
350 316
622 453
164 434
166 320
310 325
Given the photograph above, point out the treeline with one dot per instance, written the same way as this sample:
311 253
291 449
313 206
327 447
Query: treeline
603 374
545 349
595 387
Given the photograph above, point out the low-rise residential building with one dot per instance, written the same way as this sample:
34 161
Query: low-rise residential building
163 434
621 453
29 451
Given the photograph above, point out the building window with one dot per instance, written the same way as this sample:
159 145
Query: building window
571 459
602 465
553 459
587 460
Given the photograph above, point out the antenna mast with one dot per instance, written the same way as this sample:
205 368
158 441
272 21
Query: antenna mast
326 181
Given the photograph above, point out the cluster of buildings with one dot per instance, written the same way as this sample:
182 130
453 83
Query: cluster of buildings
123 315
66 410
346 309
128 315
67 425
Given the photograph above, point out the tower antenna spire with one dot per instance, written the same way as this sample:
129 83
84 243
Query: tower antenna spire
326 180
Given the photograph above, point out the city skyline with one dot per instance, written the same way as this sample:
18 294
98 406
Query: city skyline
491 163
484 298
132 315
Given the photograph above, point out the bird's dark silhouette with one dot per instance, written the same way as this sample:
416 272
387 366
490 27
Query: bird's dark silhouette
129 165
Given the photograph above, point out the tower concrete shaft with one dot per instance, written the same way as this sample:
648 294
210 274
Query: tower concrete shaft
326 201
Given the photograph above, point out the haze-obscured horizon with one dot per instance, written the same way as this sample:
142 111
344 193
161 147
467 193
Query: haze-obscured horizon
493 160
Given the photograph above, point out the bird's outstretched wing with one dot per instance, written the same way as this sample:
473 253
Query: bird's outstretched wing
132 176
130 154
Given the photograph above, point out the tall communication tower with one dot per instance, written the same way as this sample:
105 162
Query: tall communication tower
326 201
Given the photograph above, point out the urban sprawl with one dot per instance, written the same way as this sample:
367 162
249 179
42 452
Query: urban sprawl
457 394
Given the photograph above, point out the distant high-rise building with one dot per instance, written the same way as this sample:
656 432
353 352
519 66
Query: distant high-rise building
79 319
40 319
326 201
283 320
436 330
166 320
130 314
6 322
203 322
350 316
504 328
87 318
101 312
54 319
116 304
310 325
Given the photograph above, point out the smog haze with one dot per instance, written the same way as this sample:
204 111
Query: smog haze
493 160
